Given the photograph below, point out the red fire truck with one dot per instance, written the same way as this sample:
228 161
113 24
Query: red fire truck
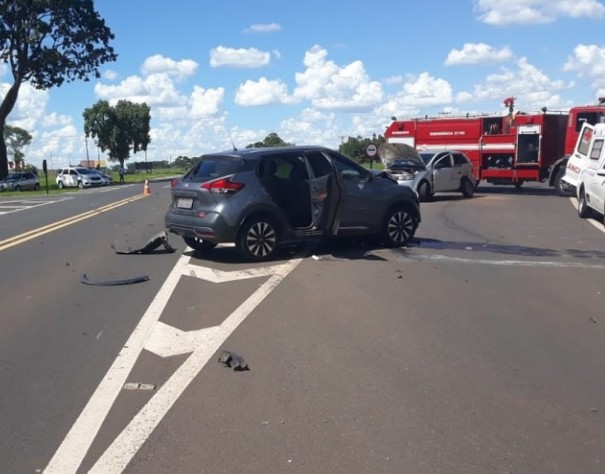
508 149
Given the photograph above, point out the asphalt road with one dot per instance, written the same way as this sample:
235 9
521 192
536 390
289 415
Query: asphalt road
479 348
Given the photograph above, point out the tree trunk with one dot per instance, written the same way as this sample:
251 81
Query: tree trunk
10 99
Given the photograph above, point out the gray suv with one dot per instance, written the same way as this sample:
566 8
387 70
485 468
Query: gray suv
264 198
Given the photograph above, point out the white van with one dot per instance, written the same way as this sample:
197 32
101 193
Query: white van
78 177
578 161
591 181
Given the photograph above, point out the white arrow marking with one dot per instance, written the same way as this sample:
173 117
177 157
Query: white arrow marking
167 341
80 437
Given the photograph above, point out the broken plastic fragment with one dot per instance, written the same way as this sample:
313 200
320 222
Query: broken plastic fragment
128 281
233 361
153 243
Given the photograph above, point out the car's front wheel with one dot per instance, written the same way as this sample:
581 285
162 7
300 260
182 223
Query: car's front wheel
424 191
399 227
80 185
17 188
583 209
467 188
199 244
258 238
60 184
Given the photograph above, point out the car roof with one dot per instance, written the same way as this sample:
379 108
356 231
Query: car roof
255 153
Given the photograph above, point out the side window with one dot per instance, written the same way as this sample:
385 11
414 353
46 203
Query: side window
348 170
595 153
319 164
459 160
584 142
443 162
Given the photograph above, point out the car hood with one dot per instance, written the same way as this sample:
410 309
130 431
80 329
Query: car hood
401 157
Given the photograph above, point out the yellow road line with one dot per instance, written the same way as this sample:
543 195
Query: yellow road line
32 234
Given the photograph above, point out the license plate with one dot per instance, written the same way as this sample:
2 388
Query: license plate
184 203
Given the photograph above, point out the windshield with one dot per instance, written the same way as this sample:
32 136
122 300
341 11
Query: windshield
427 157
406 164
84 171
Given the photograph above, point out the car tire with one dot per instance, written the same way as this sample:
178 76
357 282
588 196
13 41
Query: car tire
424 192
199 244
467 188
17 188
36 187
399 226
60 184
80 185
258 238
583 210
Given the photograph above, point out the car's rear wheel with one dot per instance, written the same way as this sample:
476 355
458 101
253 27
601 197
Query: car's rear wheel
467 188
258 238
199 244
583 209
17 188
36 187
399 227
424 191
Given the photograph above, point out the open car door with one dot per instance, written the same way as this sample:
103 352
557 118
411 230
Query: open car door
325 192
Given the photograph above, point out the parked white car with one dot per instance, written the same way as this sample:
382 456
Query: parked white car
77 176
591 181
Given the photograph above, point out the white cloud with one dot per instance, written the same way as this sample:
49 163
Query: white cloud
159 64
263 28
261 92
587 59
498 12
206 102
222 56
329 86
532 87
30 107
478 53
110 75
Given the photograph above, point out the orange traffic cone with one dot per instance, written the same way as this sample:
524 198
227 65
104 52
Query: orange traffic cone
146 189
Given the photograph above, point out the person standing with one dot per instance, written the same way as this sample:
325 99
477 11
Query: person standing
121 171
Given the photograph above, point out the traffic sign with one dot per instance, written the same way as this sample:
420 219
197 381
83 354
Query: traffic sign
371 150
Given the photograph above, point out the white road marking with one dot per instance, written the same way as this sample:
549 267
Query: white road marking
8 207
522 263
160 338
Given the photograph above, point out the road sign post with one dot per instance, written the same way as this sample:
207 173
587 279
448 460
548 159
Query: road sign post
371 151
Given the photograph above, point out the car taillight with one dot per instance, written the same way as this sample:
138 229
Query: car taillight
223 186
173 183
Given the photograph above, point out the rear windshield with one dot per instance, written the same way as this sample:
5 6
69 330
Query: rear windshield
214 167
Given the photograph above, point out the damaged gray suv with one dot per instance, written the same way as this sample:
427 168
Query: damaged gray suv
264 198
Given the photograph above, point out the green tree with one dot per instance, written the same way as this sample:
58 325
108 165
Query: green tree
46 43
16 138
271 140
355 148
118 129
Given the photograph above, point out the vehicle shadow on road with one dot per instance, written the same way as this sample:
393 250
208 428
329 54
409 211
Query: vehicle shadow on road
517 250
526 190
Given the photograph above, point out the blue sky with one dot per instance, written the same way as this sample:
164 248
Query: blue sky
318 71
